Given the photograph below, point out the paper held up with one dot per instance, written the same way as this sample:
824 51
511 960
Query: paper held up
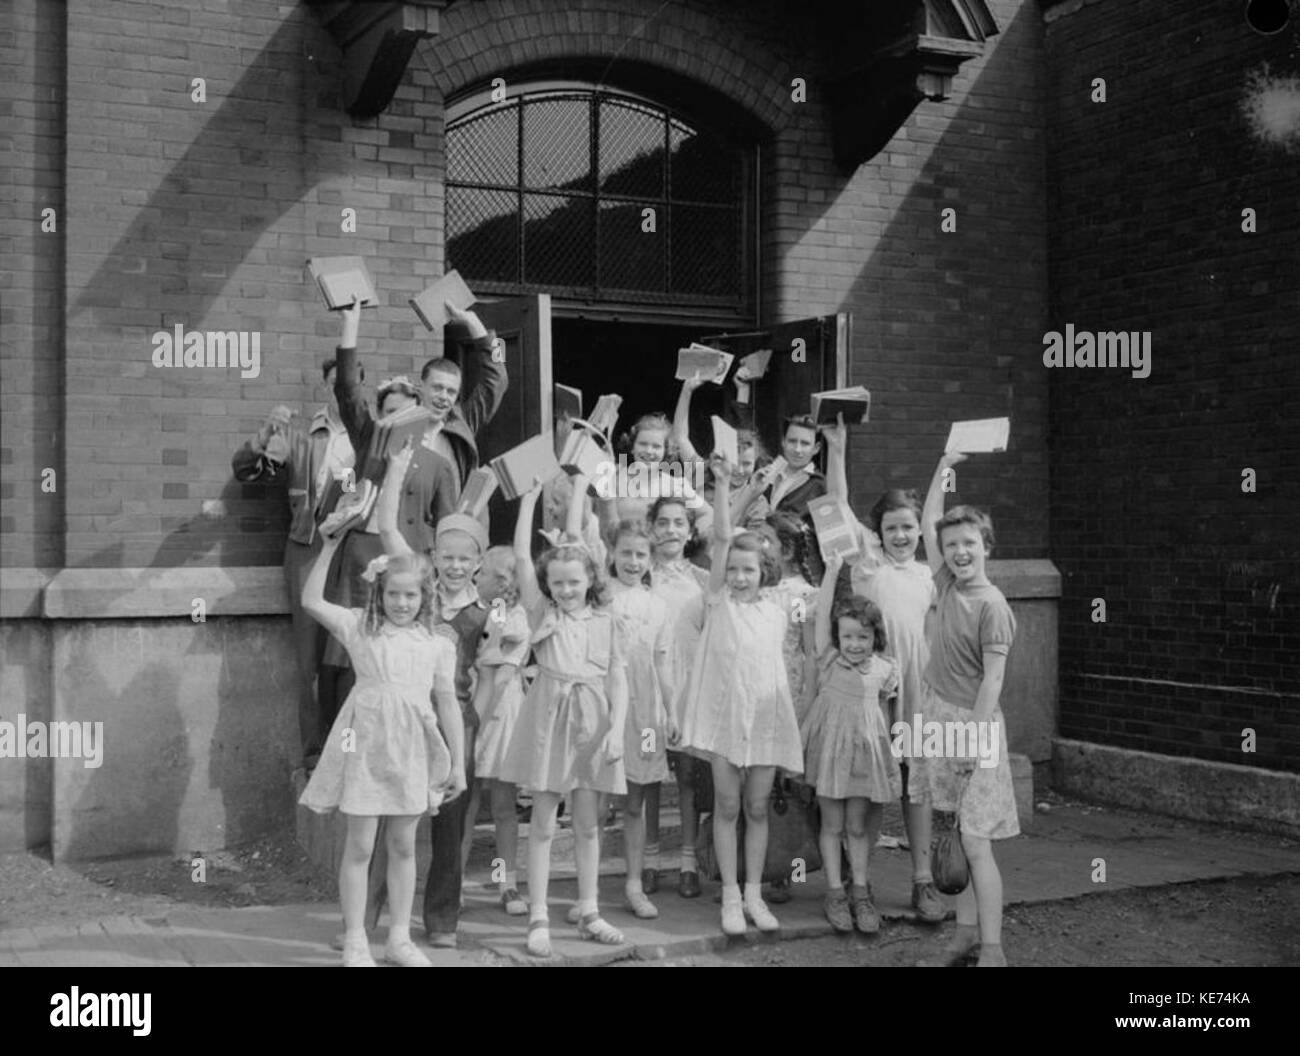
836 527
711 364
854 403
520 467
342 280
755 364
725 441
478 490
979 436
431 304
604 416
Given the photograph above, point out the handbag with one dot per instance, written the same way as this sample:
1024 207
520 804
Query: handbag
948 862
793 825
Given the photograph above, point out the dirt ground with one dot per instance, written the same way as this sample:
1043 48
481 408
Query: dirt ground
1212 923
272 871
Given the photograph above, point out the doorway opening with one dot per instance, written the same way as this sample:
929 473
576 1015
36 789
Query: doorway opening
637 361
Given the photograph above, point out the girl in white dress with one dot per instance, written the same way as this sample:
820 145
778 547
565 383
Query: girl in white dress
649 728
386 755
737 710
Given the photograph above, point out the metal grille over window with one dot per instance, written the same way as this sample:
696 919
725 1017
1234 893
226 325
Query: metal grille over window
606 197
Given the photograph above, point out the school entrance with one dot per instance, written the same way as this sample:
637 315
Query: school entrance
605 229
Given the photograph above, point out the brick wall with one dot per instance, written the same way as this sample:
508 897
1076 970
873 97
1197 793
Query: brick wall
1148 513
202 214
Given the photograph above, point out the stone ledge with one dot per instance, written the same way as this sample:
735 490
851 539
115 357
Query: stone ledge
259 590
117 593
1247 796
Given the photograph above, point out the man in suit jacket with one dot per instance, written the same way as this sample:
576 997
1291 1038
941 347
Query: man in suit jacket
306 459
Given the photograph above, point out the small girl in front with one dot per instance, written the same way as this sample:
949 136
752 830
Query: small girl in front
847 752
650 728
737 711
970 635
386 755
568 739
497 699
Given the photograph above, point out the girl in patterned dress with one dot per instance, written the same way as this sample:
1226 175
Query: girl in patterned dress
847 752
386 755
680 585
649 728
497 697
568 738
737 711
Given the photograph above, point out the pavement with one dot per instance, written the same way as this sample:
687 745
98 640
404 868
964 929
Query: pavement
1073 851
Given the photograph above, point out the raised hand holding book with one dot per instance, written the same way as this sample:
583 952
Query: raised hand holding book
711 364
853 402
431 304
520 468
343 280
979 436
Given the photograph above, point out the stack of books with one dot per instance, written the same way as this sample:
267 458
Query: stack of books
521 467
343 280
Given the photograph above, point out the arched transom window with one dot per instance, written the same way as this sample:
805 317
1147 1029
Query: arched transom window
592 194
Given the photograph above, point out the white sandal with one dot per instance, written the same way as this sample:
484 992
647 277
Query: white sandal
539 938
593 927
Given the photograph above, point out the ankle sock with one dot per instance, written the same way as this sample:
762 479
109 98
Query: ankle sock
536 913
633 885
730 892
688 860
511 880
651 856
923 878
753 892
586 907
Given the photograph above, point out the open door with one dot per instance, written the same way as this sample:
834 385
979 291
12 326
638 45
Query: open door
524 325
808 355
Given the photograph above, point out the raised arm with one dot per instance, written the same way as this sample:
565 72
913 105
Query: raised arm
759 482
334 618
525 572
682 419
390 496
480 404
721 522
825 603
933 510
575 518
837 442
347 383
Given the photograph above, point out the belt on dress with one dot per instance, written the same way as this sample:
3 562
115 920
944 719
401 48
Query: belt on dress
419 686
568 681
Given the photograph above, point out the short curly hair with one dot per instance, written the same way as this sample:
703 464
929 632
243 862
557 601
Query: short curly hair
597 591
769 561
866 613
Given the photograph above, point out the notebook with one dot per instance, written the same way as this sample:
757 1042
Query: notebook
725 441
520 467
711 364
342 280
979 436
854 403
430 304
478 490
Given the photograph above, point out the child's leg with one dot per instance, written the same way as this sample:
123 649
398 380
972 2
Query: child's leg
541 831
726 811
588 806
858 826
690 824
828 840
475 795
401 876
634 834
758 791
505 821
985 892
651 814
357 848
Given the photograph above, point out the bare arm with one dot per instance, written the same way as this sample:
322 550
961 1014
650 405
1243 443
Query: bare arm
576 517
721 523
525 573
995 665
682 419
450 720
837 439
933 510
334 618
825 602
390 494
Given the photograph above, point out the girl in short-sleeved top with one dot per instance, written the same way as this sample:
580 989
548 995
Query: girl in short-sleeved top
971 629
568 738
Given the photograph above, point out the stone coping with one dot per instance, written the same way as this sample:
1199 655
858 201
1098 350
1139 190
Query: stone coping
133 593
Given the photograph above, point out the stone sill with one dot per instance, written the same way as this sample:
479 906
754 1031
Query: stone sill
134 593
